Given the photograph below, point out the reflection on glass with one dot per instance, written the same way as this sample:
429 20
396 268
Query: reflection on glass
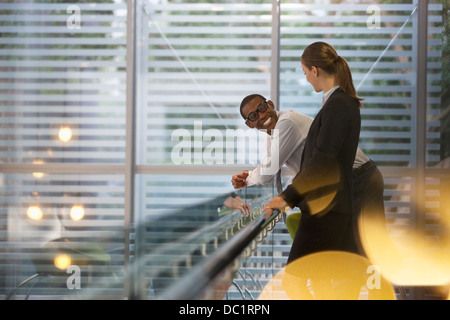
165 248
176 243
65 134
34 212
62 261
77 212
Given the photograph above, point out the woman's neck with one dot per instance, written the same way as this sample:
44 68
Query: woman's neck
328 83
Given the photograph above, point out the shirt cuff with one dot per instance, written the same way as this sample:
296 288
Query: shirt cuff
250 180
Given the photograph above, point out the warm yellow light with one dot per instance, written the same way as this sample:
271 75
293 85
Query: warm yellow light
34 212
77 212
329 275
405 262
335 275
65 134
62 261
274 289
38 175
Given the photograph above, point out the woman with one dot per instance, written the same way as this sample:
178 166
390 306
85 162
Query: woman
322 188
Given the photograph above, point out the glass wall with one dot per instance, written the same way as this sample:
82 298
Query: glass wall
398 54
105 123
62 146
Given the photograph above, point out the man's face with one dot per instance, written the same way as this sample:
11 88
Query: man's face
265 120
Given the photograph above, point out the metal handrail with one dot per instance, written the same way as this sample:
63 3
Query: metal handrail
194 286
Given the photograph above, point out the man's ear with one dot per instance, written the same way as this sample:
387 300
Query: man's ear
271 104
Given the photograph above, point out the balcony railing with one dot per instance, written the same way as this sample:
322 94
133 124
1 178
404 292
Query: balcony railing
191 253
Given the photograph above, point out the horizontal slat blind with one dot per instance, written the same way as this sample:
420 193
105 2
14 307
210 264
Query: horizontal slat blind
62 101
199 60
165 193
62 88
388 116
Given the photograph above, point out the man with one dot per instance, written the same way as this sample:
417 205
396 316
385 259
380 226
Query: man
292 130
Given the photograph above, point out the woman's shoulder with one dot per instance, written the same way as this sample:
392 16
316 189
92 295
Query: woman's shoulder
342 98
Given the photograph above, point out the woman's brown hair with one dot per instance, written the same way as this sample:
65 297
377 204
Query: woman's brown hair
324 56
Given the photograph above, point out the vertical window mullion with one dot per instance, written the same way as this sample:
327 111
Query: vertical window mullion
131 282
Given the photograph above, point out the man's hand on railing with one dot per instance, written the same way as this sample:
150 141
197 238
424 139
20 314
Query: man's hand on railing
277 203
238 204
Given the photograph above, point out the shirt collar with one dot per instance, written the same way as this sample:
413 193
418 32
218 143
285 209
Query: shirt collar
328 94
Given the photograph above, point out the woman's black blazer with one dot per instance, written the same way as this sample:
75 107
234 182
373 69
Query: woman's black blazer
324 181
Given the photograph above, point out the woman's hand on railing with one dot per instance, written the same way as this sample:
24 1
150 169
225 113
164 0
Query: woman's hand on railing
277 203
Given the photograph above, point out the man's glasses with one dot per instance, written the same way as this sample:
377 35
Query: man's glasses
253 116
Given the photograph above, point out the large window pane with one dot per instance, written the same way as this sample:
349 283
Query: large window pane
62 82
382 45
197 62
